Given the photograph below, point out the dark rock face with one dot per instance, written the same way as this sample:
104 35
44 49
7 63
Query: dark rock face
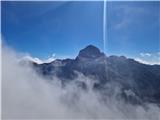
138 83
90 52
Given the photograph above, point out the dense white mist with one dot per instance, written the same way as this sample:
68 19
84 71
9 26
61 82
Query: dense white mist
27 95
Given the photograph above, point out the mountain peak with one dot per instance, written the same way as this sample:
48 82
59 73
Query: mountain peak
91 47
90 52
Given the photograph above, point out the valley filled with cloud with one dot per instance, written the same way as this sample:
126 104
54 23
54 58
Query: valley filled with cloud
27 95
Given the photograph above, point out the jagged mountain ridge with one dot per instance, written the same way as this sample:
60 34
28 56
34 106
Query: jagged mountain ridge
140 79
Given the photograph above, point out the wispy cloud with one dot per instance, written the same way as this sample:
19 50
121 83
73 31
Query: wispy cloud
127 15
149 58
38 60
146 62
145 54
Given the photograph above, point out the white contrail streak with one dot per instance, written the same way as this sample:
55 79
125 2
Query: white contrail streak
104 26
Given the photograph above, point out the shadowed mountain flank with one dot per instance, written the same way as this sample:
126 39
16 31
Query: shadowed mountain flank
138 83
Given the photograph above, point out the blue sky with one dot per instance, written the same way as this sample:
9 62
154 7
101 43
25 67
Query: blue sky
63 28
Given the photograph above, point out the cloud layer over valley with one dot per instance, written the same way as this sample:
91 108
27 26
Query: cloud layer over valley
25 94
